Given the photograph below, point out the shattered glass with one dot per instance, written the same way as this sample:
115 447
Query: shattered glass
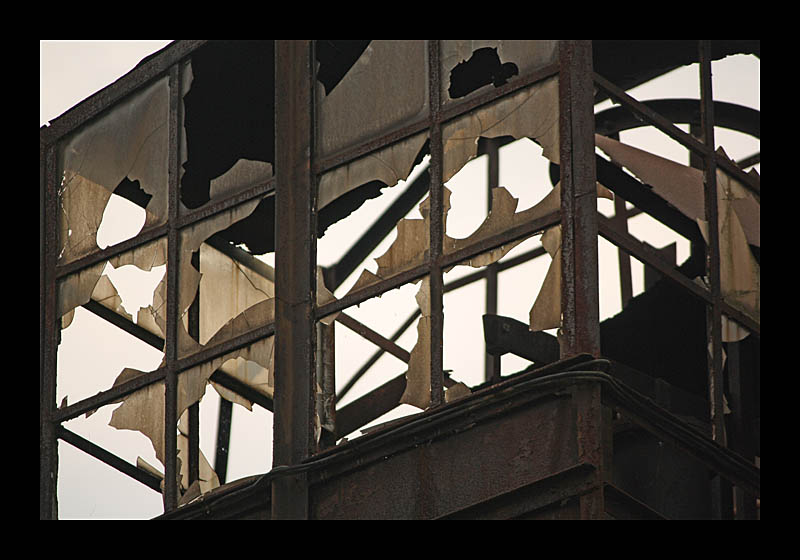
738 210
386 88
469 66
531 112
90 283
124 150
227 120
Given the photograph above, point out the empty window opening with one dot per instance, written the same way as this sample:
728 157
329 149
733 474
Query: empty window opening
483 68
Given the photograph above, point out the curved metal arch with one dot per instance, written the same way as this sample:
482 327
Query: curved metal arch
679 111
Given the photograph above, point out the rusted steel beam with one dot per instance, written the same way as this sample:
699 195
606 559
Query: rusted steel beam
652 258
664 125
48 332
295 273
579 269
436 232
142 74
713 254
374 358
374 337
580 292
109 459
171 490
722 497
125 324
551 490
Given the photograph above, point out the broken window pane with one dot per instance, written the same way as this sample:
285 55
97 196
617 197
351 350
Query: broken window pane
738 210
78 288
531 112
124 151
386 88
228 120
469 66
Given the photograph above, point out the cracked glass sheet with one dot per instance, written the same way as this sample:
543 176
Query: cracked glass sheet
739 215
388 165
128 141
77 289
531 112
386 88
191 239
527 56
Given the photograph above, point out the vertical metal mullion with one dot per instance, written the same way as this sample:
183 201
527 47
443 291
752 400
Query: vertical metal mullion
48 332
579 280
492 363
713 258
436 226
579 270
714 316
171 490
295 273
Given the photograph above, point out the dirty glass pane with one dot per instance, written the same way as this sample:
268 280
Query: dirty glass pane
124 151
471 66
386 88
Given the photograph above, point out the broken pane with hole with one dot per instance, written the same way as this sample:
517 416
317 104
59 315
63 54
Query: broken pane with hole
118 285
228 120
529 113
475 66
385 88
124 152
738 210
372 343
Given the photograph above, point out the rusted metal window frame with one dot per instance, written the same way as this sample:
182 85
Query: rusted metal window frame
168 62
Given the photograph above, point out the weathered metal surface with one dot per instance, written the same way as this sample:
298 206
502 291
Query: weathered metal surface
428 484
48 333
295 273
580 292
436 477
664 125
436 295
506 335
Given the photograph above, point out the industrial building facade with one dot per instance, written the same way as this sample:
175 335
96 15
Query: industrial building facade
237 149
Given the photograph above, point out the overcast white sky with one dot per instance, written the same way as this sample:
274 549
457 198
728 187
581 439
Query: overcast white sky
93 353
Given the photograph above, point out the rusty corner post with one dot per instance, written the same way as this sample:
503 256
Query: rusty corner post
171 494
580 330
295 274
722 506
48 332
436 231
580 293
